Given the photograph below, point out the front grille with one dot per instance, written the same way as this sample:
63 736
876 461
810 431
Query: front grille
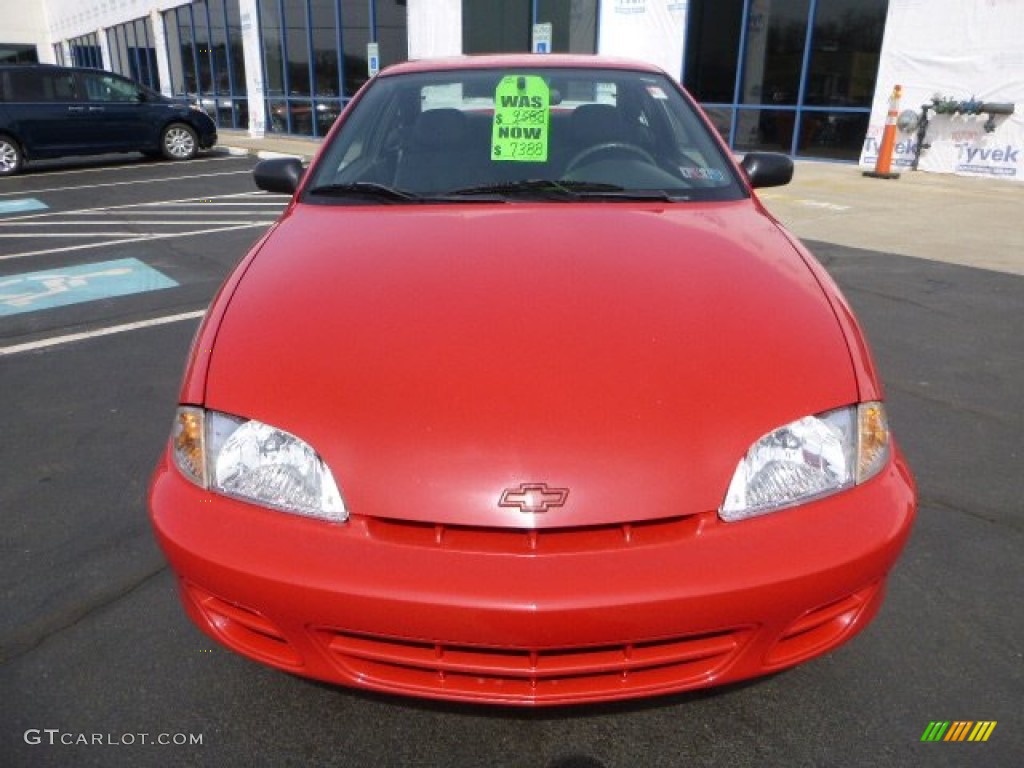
513 674
464 538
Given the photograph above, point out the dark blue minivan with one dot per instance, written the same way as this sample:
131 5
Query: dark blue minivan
52 111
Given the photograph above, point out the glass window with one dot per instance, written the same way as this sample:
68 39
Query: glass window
355 34
34 85
324 21
273 61
765 129
573 24
833 135
132 54
776 31
837 65
721 118
11 53
392 31
85 51
580 132
187 52
297 43
203 48
712 45
219 48
109 88
496 26
845 51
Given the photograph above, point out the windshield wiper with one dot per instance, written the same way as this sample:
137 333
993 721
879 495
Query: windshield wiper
537 188
366 189
563 189
635 194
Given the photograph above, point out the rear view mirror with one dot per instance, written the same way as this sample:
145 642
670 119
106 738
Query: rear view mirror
768 169
280 175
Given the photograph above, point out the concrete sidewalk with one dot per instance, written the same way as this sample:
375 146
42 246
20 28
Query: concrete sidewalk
969 221
975 222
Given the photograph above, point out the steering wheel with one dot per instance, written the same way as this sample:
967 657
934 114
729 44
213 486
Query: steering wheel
609 146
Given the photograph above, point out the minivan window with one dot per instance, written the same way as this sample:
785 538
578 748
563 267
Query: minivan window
35 85
97 87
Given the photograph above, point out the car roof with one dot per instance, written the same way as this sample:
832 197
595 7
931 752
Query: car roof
514 60
50 66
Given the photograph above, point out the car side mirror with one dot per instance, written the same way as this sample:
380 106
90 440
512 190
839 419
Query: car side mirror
767 169
280 174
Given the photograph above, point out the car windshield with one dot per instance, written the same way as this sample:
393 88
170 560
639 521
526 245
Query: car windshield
524 133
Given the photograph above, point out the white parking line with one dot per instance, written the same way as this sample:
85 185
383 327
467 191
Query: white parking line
127 183
54 341
182 212
13 235
128 166
201 202
140 238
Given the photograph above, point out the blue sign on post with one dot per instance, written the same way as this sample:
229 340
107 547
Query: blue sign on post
373 58
34 291
542 38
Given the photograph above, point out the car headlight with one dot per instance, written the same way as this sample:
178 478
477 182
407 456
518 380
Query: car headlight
809 458
256 462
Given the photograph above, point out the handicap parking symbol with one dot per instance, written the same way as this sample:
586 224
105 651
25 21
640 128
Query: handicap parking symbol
34 291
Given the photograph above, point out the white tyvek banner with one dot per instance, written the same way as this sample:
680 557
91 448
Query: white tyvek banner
435 28
961 50
647 30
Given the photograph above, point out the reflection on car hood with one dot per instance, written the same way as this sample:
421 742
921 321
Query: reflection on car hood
438 355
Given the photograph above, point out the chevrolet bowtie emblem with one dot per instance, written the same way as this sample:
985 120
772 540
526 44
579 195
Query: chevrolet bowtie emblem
533 498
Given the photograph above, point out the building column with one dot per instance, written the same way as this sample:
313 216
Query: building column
163 64
252 53
101 37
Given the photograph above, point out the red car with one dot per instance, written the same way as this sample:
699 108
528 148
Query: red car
527 400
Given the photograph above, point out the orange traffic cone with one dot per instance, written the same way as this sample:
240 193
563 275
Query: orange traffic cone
883 165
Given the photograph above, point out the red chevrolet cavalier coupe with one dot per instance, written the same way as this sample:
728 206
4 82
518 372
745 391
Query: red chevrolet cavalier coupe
527 400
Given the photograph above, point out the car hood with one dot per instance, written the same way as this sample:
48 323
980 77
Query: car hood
437 356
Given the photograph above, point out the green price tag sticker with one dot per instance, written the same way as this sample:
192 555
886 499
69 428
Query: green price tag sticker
522 105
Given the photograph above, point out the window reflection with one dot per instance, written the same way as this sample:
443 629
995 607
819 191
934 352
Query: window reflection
712 40
273 61
765 129
206 61
355 25
753 56
573 24
391 31
297 46
834 135
85 51
776 32
845 53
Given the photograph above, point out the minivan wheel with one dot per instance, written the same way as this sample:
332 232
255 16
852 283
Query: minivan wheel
179 142
11 158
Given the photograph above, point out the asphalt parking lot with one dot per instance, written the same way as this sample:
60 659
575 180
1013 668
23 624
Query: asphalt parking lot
105 268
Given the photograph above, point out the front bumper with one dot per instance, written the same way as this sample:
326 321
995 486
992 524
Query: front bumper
533 618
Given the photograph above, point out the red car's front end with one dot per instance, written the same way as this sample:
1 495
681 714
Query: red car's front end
560 451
